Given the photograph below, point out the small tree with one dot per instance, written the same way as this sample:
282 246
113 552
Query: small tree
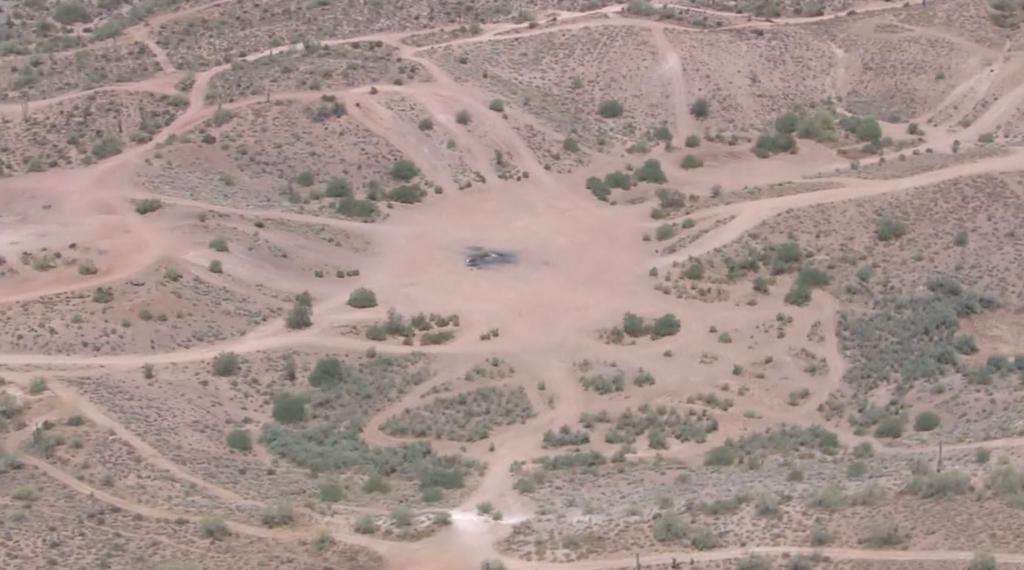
362 298
226 364
610 109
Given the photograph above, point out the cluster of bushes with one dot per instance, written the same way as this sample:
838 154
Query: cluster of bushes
635 326
780 440
659 423
670 527
813 122
566 437
807 280
573 460
649 171
866 130
396 325
465 417
910 339
339 448
615 381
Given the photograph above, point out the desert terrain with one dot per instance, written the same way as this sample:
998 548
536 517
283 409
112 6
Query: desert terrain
546 284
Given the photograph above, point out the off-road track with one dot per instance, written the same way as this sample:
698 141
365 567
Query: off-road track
569 287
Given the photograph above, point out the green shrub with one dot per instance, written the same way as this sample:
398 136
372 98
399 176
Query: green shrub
404 170
239 440
570 145
982 561
356 208
618 179
722 456
497 105
362 298
426 124
328 372
939 485
610 109
332 492
695 272
787 122
831 497
884 535
463 117
798 296
690 162
598 188
651 172
700 108
665 325
147 206
407 194
71 12
753 562
889 229
299 317
213 528
289 408
35 387
365 525
664 232
306 178
669 527
216 266
868 130
338 188
219 244
226 364
107 146
926 421
276 515
662 133
890 427
633 325
692 141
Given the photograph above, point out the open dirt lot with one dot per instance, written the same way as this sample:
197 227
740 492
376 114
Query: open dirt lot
555 284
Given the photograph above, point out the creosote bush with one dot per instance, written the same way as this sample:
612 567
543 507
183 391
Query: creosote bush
610 109
362 298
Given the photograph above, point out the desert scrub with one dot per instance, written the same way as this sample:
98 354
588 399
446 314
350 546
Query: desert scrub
906 340
566 437
692 425
362 298
466 417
